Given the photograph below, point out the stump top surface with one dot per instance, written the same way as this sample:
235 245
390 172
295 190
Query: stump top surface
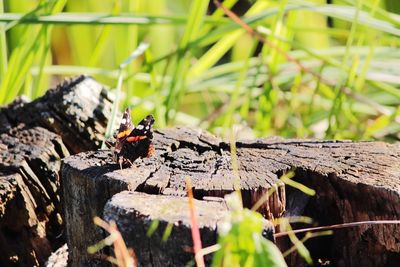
170 209
182 152
350 178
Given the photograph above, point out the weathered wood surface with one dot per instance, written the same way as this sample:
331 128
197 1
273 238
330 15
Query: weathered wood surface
135 212
34 137
77 110
354 182
58 258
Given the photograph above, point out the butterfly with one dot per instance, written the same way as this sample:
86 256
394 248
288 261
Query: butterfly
132 142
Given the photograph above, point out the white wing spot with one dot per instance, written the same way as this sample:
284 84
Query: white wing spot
123 121
139 127
147 127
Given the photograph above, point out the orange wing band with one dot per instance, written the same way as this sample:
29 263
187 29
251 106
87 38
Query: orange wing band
135 138
124 134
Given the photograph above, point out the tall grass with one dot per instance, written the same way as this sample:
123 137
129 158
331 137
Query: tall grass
324 70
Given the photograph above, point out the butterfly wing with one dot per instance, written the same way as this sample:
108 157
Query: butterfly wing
126 125
138 143
125 128
142 130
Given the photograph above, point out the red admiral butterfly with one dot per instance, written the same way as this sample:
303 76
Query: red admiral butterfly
133 142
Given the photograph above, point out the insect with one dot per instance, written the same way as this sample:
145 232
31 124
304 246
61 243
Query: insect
133 142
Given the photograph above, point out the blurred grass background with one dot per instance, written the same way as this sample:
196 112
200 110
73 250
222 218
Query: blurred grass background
323 68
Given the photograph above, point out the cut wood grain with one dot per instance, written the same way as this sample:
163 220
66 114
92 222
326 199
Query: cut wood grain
136 213
354 181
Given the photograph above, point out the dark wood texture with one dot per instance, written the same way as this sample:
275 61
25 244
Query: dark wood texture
135 212
77 110
354 182
34 137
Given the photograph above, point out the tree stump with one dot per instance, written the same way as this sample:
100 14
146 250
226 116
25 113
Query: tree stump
354 181
136 213
34 137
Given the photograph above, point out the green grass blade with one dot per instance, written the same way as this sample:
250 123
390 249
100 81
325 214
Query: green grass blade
22 57
222 46
136 53
82 18
3 46
101 42
196 15
43 55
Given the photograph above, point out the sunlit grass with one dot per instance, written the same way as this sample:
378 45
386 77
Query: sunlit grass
204 69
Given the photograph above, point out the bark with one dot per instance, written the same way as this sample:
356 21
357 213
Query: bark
77 110
34 137
354 181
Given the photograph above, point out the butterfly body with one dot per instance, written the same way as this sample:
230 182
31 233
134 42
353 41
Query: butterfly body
133 142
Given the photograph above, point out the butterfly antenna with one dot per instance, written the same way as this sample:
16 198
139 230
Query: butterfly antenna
130 162
120 163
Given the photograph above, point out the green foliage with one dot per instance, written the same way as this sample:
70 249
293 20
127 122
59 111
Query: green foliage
324 70
33 44
241 241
